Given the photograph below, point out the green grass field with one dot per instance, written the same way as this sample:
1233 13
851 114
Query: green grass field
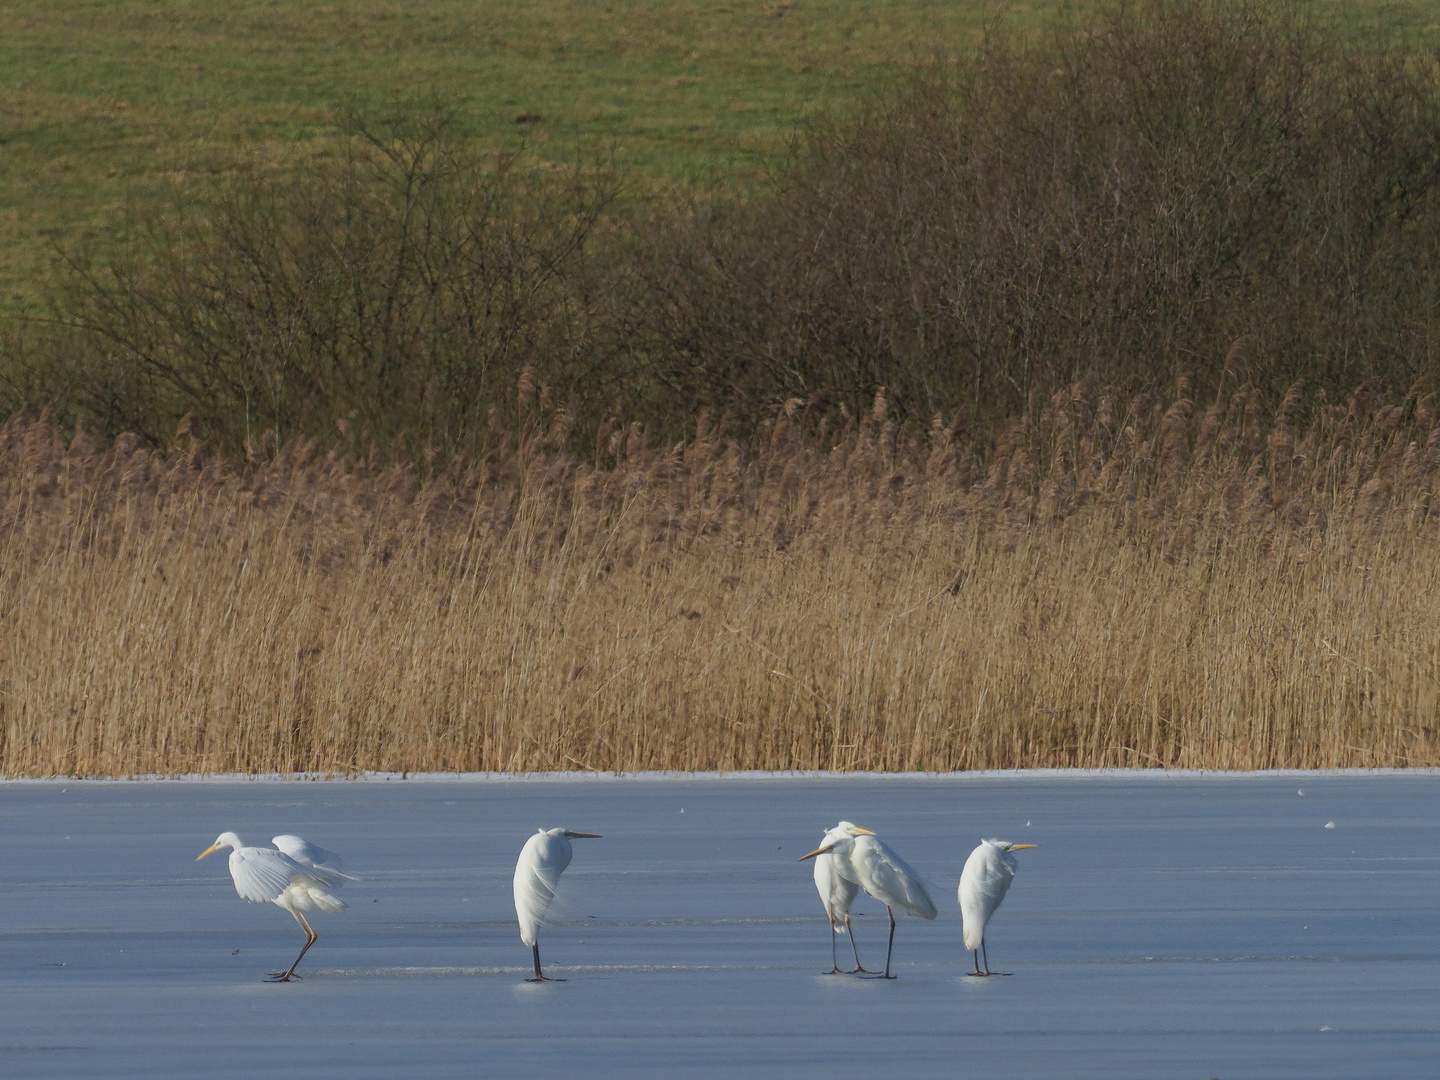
105 103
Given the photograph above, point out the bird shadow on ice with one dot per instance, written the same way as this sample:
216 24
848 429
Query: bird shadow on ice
983 984
512 971
902 984
417 972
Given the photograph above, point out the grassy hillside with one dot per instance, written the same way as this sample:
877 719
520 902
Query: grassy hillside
104 103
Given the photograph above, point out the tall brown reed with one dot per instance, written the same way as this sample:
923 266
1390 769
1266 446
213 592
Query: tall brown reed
1112 583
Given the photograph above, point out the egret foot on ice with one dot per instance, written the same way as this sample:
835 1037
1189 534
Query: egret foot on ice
537 874
539 975
891 948
858 969
977 972
310 938
834 960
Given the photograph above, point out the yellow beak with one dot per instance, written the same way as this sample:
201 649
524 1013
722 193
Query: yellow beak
1021 847
821 851
208 851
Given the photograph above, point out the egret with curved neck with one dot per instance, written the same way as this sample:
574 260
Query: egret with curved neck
983 884
875 867
837 891
537 875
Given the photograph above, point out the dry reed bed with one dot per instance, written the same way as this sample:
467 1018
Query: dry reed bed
1141 584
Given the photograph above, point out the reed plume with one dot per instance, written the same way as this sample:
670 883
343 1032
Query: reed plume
1133 583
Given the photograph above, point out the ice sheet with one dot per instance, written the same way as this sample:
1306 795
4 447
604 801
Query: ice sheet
1205 926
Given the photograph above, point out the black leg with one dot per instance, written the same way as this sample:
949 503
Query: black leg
891 947
856 951
985 953
539 975
834 960
310 939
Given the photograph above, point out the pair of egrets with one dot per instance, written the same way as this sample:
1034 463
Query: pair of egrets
301 877
850 858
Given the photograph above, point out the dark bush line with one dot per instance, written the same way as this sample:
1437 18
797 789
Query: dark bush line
1129 199
1126 202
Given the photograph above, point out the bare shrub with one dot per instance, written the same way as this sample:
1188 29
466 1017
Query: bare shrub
388 297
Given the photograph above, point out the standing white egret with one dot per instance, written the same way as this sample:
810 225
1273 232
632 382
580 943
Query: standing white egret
537 874
983 884
875 867
837 892
265 875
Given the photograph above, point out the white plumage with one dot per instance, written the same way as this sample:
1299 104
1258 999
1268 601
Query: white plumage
837 893
299 885
308 854
983 884
889 878
872 864
537 875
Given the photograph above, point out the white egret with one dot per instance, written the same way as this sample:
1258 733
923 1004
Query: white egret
265 875
537 874
870 863
983 884
837 892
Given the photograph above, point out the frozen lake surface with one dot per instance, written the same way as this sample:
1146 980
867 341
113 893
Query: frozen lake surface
1167 926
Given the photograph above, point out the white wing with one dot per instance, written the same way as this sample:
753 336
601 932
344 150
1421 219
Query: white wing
836 893
983 884
262 874
312 855
889 878
537 875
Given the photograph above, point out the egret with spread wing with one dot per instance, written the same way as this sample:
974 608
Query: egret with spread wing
837 892
299 885
873 865
983 884
537 875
